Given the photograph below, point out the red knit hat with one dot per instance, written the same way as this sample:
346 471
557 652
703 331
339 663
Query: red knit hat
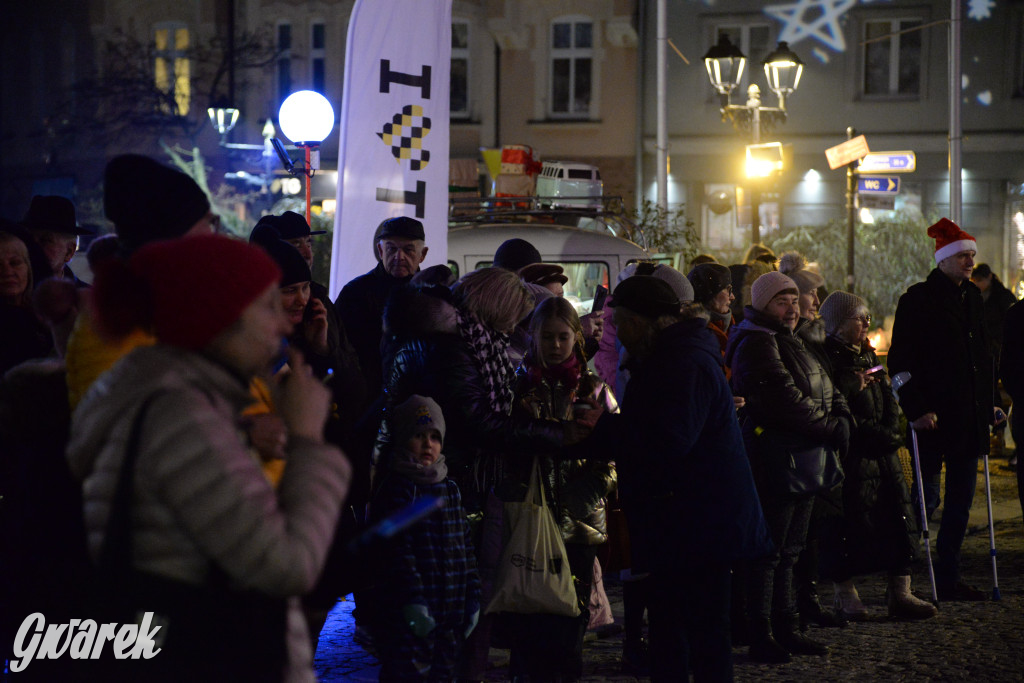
950 239
186 290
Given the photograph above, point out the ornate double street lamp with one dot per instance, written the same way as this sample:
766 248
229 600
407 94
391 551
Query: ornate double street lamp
782 68
306 117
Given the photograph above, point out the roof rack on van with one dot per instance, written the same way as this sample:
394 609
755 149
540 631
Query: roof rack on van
610 217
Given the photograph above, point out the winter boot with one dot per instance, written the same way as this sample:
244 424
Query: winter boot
636 658
905 605
788 635
847 602
811 609
763 646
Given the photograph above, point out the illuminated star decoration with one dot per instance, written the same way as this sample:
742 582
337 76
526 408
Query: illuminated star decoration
980 9
824 27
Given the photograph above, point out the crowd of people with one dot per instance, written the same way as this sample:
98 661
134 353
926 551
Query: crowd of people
203 434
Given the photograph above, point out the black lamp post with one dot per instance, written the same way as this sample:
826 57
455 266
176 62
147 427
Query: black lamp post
782 69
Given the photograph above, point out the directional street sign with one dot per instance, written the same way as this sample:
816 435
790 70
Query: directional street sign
878 184
888 162
846 152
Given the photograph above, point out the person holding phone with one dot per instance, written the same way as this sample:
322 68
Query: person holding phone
872 523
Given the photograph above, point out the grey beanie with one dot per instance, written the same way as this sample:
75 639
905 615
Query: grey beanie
415 414
676 280
767 286
837 307
794 265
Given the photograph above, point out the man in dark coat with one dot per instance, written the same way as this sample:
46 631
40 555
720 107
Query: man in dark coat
400 250
685 480
939 338
52 222
1011 369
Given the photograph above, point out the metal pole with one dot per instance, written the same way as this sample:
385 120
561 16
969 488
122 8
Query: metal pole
309 182
851 199
955 132
755 191
662 45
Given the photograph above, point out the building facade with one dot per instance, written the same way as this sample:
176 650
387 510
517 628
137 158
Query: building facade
881 68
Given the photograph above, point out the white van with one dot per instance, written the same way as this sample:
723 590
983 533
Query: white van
567 183
589 258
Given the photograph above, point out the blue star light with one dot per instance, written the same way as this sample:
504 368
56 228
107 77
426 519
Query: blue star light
824 26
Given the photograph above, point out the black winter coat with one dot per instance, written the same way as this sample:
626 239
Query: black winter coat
789 396
429 358
576 485
939 338
360 308
877 526
684 479
1011 365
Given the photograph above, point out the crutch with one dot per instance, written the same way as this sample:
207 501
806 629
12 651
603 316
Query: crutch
898 381
991 530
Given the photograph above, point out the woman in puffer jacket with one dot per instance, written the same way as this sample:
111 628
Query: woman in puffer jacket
789 400
551 383
197 516
877 529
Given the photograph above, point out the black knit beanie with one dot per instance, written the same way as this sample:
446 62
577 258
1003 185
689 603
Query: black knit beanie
147 201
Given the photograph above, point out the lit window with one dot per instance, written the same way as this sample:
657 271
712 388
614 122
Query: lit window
317 57
572 61
459 92
892 60
284 61
172 73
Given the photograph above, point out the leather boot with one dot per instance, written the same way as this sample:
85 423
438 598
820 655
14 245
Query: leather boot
763 646
788 635
905 605
811 609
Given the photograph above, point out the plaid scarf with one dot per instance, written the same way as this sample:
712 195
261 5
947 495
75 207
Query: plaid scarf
490 353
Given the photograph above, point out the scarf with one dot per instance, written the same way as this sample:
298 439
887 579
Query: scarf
567 373
490 354
404 464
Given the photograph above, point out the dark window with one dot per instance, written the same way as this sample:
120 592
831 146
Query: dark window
571 67
318 75
318 36
892 59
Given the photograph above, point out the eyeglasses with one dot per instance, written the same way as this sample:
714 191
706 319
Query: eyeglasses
866 319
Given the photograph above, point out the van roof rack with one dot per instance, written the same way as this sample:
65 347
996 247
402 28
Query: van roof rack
598 214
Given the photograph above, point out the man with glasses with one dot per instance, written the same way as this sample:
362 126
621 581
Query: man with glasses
939 338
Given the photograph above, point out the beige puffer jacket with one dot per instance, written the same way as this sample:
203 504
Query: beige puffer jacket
199 496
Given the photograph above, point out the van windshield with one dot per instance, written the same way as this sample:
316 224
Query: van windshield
584 277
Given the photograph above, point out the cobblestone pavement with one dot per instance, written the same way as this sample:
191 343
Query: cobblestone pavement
980 642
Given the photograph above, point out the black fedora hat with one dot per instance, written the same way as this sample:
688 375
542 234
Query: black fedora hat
53 213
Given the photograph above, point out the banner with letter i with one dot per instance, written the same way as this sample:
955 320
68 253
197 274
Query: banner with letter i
393 159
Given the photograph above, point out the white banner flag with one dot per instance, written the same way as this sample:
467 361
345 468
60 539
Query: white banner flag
393 159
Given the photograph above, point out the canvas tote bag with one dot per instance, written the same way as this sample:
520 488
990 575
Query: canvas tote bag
533 576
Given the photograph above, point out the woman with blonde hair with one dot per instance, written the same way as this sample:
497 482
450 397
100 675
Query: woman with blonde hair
551 383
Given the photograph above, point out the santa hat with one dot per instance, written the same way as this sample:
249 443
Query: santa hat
950 239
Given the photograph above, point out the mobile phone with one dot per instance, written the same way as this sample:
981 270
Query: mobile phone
600 294
874 369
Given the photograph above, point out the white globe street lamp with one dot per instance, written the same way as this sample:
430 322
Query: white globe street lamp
306 118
